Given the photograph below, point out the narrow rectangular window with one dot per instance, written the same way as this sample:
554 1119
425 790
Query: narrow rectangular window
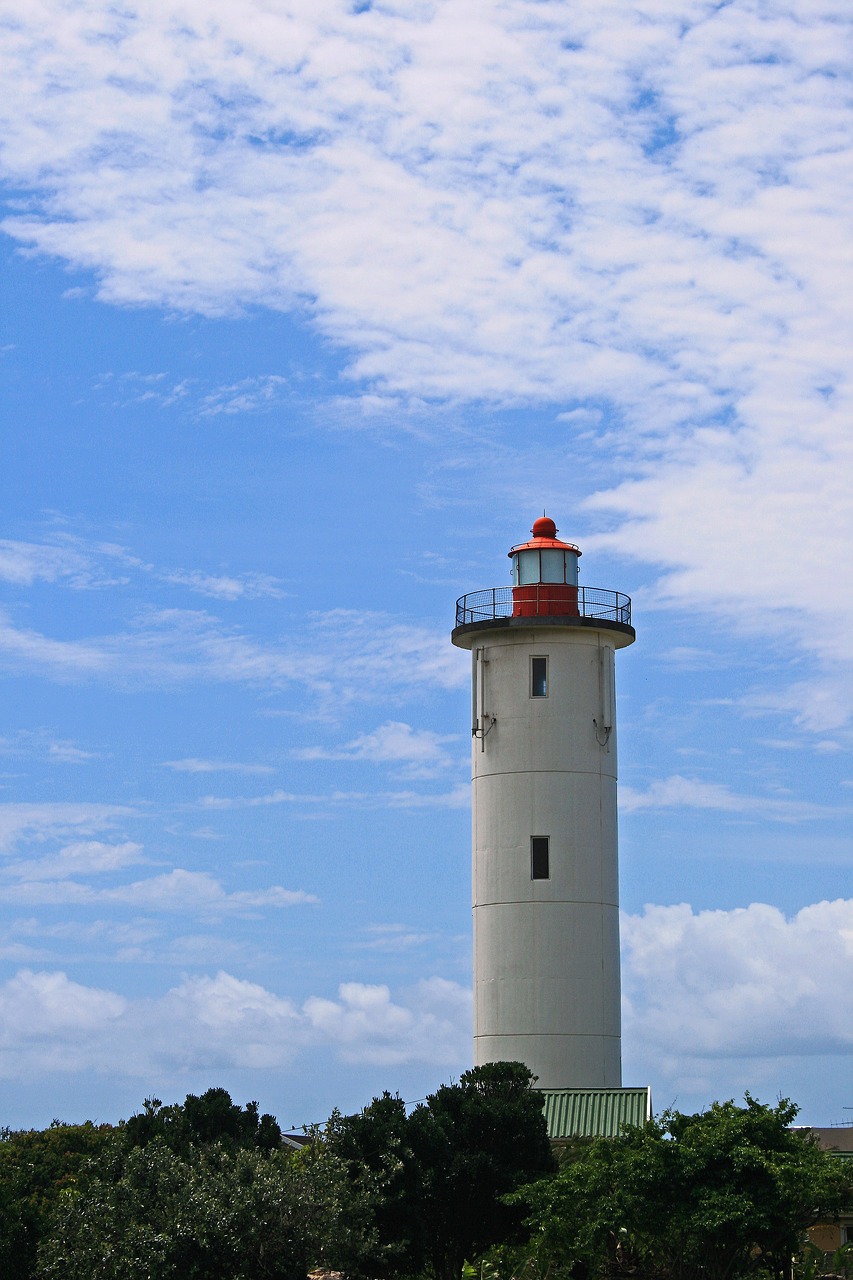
553 566
539 869
539 677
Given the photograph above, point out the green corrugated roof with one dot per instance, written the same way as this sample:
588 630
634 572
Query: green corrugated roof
594 1113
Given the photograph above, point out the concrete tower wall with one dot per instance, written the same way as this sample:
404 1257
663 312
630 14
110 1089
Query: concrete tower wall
546 950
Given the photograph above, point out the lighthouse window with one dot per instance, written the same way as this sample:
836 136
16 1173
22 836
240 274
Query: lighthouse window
528 567
539 857
553 566
539 677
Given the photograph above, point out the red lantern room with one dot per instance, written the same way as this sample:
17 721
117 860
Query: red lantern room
544 574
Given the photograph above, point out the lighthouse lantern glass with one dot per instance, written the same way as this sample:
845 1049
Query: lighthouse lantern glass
528 567
553 565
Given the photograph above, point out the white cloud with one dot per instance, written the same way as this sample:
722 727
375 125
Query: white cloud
194 765
247 396
44 821
189 395
85 857
458 797
704 993
248 586
420 752
378 651
677 792
190 892
64 752
23 563
743 983
449 202
82 564
754 528
596 203
139 940
243 1023
132 388
366 1025
46 745
63 660
582 419
41 1006
394 937
21 953
51 1024
340 655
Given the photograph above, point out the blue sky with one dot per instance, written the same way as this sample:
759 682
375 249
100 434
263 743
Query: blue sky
310 310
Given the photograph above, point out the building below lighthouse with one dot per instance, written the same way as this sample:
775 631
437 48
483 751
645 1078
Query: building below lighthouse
545 862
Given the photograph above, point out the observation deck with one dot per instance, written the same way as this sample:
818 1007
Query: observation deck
537 604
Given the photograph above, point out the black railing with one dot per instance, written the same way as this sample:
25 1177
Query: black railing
538 601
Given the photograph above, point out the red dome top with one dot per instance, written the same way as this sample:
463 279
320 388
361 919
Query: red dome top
544 527
544 536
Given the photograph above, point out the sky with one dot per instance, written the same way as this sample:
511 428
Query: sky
310 308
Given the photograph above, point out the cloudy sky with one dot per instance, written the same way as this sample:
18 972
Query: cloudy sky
312 307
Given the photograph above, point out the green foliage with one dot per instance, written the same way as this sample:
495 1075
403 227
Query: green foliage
206 1213
204 1190
377 1142
211 1118
36 1168
506 1262
726 1193
42 1171
813 1262
478 1141
445 1168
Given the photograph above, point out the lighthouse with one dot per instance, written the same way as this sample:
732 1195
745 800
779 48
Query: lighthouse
545 868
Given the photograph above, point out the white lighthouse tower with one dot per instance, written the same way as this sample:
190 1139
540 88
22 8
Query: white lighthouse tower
545 882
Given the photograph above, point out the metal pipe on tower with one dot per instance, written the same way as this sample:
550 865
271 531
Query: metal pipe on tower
545 869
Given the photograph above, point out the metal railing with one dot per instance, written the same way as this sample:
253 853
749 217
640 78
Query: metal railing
498 602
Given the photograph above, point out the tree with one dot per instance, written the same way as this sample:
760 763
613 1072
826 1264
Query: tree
478 1141
723 1194
445 1168
378 1142
205 1213
213 1117
45 1171
36 1167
